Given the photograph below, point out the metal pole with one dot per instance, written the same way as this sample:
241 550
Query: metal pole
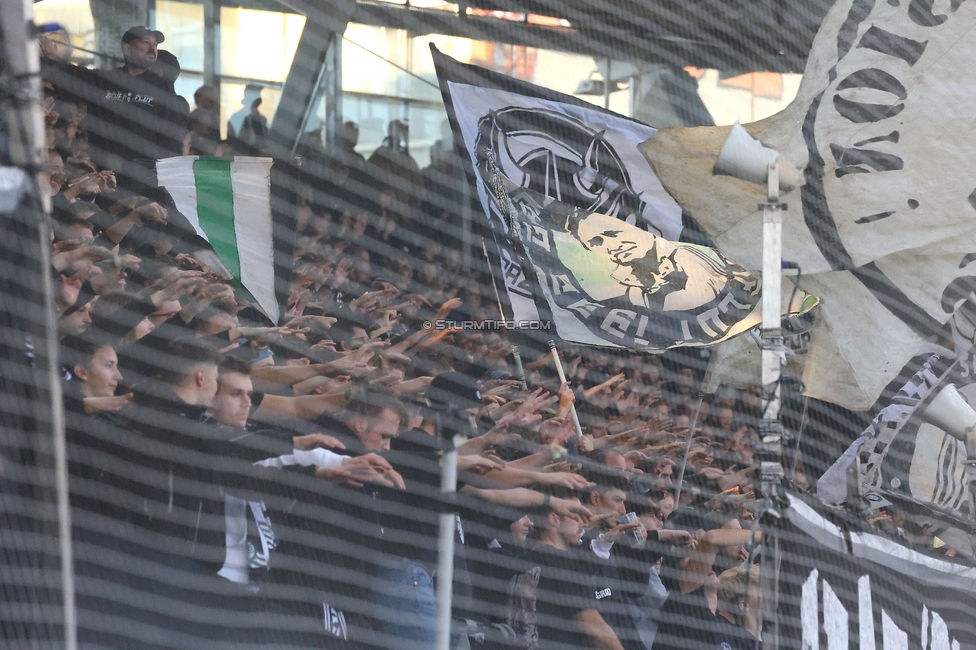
332 93
771 465
21 65
300 89
684 461
606 86
445 552
562 380
771 456
211 45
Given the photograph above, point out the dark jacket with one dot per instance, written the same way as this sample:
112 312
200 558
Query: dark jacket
135 117
190 464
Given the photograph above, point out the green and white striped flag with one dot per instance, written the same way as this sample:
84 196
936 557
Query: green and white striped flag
228 202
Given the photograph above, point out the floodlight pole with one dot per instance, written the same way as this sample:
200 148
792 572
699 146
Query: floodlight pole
771 472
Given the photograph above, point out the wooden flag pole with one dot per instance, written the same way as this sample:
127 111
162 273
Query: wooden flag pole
562 380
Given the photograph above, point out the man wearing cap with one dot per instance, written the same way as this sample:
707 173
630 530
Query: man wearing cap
137 118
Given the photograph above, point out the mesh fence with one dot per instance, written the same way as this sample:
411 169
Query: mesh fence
258 406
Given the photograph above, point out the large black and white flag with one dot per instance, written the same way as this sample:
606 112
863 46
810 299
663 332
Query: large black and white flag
884 228
601 233
843 586
923 469
607 282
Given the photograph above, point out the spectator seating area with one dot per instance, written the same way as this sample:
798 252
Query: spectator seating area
241 483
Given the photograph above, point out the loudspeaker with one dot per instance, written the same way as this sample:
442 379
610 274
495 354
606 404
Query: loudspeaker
746 158
950 412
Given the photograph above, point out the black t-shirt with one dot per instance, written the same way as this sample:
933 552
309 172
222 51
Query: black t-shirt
685 621
493 555
732 637
135 117
565 589
571 582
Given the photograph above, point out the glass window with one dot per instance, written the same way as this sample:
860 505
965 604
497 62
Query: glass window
182 25
258 45
76 18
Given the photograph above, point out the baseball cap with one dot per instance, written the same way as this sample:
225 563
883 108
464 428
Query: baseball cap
139 32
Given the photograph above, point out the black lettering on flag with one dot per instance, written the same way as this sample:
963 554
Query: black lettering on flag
901 47
874 217
854 160
920 12
860 10
871 79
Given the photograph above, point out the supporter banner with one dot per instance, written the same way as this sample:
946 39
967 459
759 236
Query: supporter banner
922 469
228 202
610 283
832 487
905 460
883 228
849 589
560 148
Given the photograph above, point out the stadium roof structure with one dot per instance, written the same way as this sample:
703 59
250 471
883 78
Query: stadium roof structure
730 35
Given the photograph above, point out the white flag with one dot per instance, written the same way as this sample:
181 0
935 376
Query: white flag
228 203
884 229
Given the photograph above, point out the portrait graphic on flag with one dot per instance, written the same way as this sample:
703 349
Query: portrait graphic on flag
607 282
560 148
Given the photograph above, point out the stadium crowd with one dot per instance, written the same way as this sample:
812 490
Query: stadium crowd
242 482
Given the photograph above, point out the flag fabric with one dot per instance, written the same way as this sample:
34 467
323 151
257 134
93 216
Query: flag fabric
884 227
874 440
846 585
568 168
606 282
915 465
228 203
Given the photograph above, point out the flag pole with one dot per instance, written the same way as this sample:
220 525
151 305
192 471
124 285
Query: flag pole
771 466
519 369
684 461
562 380
799 438
506 208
